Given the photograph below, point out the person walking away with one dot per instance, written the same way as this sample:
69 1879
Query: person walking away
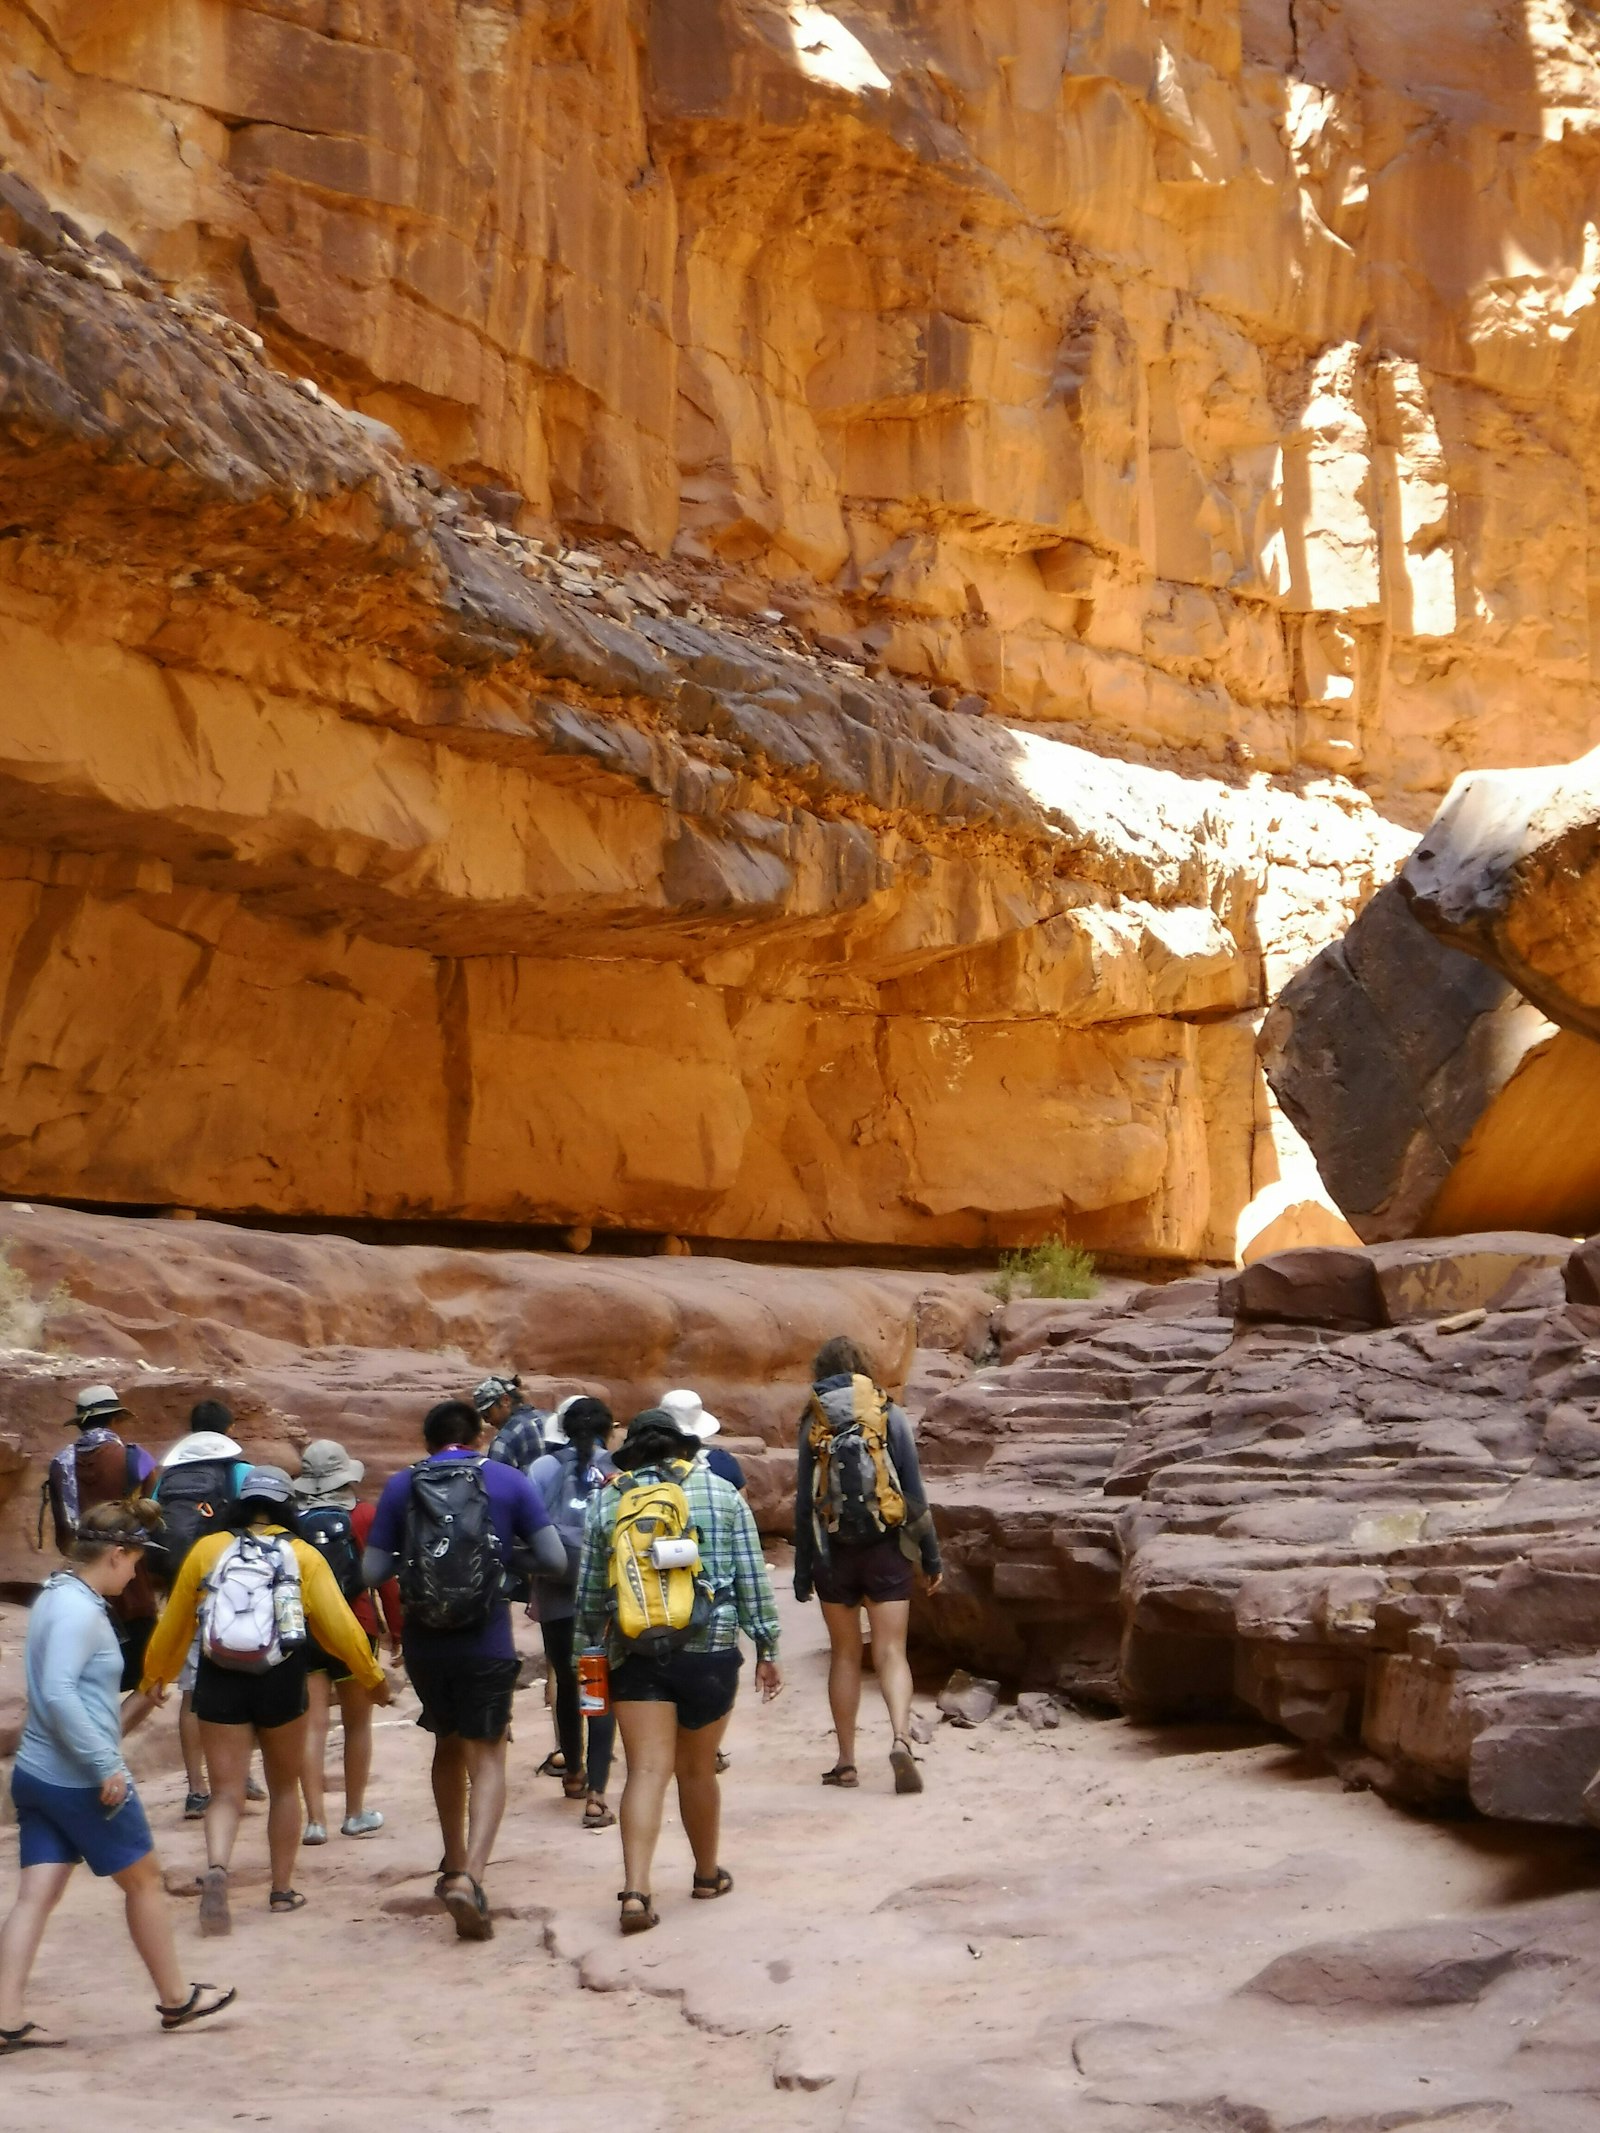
671 1572
689 1411
75 1801
453 1526
861 1520
515 1430
332 1520
254 1593
99 1466
197 1490
567 1478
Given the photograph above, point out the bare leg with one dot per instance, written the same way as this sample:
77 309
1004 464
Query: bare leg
890 1620
194 1762
844 1674
450 1798
355 1706
650 1737
283 1760
319 1693
699 1794
486 1800
150 1927
39 1890
226 1750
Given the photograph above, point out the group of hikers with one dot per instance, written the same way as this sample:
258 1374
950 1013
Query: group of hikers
262 1597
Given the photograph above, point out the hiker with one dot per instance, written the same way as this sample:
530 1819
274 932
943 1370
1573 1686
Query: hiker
253 1593
453 1526
861 1521
74 1798
516 1430
98 1467
567 1477
196 1488
332 1520
671 1572
689 1410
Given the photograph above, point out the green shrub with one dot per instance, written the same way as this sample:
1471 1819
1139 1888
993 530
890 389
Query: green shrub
1054 1268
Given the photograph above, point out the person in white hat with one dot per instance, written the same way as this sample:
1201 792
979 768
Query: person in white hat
690 1412
333 1520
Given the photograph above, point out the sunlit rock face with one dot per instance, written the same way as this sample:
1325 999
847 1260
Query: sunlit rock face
1133 456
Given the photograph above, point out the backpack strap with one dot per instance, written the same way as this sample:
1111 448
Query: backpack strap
130 1471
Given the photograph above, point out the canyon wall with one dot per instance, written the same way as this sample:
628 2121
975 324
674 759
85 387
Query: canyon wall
1060 487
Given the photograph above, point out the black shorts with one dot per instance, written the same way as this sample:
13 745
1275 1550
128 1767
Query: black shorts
320 1662
224 1697
133 1637
470 1698
701 1684
854 1571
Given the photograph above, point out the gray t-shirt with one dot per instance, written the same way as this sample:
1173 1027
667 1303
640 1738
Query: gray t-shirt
73 1664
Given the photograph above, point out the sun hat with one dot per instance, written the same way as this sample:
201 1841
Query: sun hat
94 1405
492 1390
326 1469
688 1410
201 1444
266 1484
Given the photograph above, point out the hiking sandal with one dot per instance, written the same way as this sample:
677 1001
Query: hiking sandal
553 1766
644 1918
708 1887
286 1900
907 1777
29 2038
596 1814
214 1918
843 1775
469 1907
575 1787
192 2011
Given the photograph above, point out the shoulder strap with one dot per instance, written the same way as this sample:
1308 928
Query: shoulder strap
130 1469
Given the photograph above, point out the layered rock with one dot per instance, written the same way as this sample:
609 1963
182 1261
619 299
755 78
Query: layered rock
1210 381
364 857
1354 1494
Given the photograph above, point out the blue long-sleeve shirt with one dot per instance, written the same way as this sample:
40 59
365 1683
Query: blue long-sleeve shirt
73 1664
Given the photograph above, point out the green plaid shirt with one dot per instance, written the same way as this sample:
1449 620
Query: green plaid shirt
731 1564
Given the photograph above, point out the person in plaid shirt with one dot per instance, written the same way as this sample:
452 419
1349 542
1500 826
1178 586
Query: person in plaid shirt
673 1708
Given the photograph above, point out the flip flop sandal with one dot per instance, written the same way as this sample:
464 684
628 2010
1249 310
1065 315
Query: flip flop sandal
214 1918
469 1907
708 1887
639 1921
286 1900
907 1777
29 2038
724 1761
192 2011
597 1815
843 1775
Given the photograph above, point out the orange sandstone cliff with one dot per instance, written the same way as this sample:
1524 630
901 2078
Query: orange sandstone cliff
752 620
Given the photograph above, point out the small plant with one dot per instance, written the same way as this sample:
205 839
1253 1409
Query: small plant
1054 1268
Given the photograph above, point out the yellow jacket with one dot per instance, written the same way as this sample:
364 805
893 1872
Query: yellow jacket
328 1615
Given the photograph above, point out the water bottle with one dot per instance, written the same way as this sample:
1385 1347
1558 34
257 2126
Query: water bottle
289 1612
594 1684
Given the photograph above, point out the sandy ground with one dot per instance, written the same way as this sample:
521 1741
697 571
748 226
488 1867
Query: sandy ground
1050 1929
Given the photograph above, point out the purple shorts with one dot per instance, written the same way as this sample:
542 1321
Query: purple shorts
854 1571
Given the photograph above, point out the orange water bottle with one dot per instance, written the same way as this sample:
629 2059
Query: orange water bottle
594 1684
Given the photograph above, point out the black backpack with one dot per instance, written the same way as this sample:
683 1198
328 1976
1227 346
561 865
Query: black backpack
450 1569
329 1529
193 1500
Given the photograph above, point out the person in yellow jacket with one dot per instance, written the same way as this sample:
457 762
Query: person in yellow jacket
236 1707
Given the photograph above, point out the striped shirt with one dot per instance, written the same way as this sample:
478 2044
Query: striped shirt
730 1559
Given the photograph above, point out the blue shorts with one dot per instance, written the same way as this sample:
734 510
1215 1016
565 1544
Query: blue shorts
65 1825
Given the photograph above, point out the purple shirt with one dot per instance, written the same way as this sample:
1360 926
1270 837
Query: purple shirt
516 1511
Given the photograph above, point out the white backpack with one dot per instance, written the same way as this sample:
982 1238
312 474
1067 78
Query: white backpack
251 1604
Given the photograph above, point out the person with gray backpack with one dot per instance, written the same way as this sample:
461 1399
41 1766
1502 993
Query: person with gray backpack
456 1528
861 1528
568 1477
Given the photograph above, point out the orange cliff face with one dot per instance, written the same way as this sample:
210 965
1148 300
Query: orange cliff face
1200 388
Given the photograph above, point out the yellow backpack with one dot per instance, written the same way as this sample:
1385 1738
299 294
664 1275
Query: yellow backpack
658 1597
854 1487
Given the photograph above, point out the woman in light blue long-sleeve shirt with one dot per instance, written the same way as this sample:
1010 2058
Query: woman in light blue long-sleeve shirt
74 1798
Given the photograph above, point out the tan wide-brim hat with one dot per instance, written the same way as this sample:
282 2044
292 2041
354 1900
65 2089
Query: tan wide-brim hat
325 1468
